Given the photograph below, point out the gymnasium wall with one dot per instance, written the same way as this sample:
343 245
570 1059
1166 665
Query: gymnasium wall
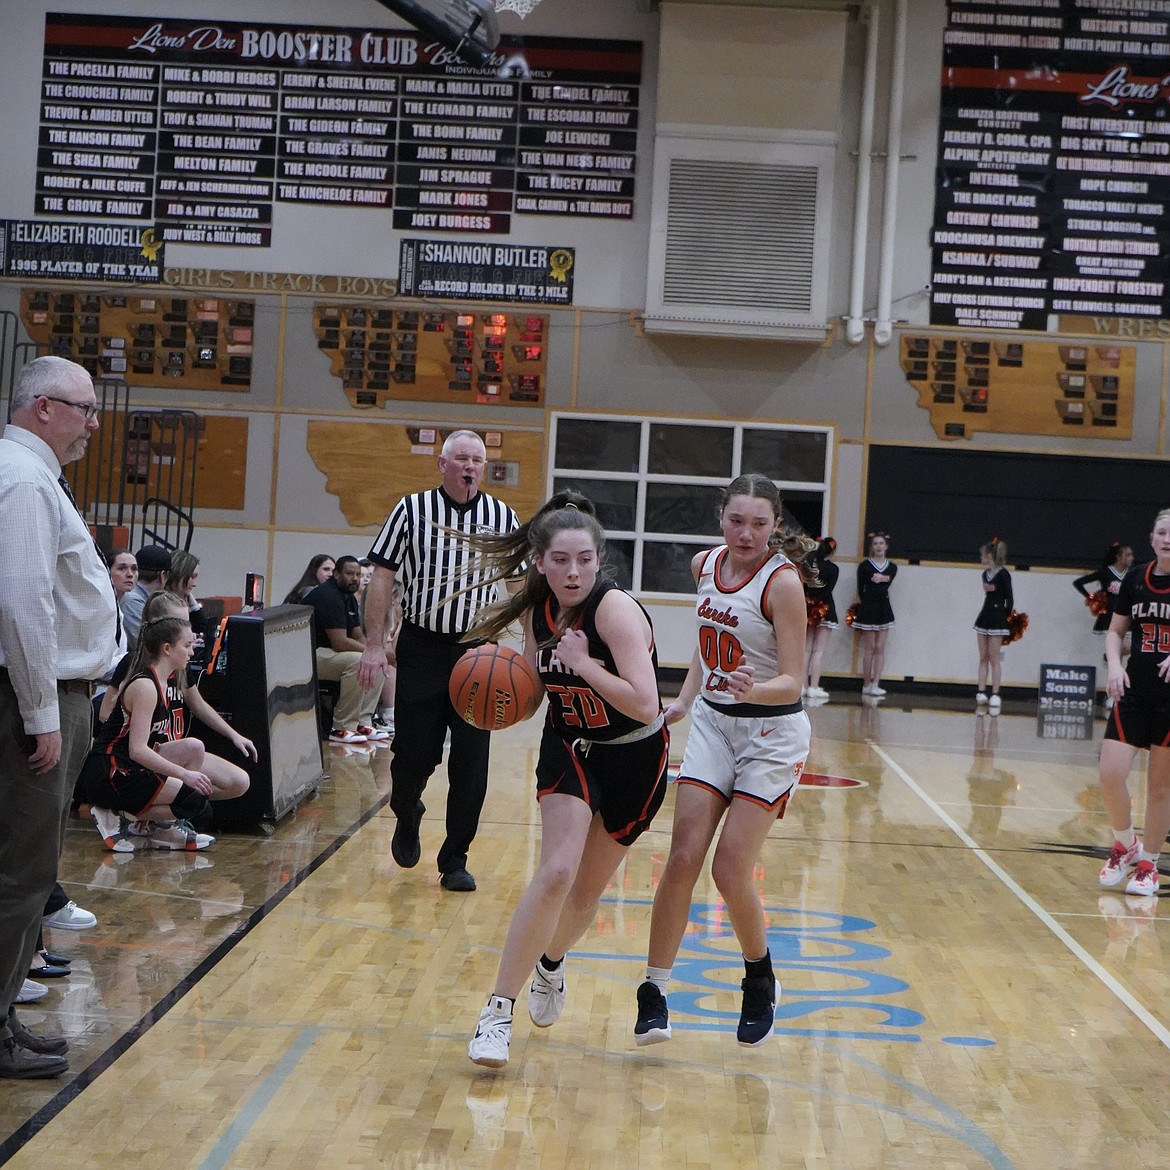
318 470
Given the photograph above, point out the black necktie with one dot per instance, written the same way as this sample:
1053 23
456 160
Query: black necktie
101 556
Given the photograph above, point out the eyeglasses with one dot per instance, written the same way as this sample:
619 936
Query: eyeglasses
89 409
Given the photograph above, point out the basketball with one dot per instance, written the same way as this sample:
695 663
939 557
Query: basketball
493 687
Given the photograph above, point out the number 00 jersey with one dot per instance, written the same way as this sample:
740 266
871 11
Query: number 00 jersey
1144 598
575 709
735 622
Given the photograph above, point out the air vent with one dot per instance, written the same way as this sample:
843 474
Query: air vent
739 240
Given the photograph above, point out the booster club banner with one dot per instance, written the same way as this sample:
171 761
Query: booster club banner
474 271
1053 163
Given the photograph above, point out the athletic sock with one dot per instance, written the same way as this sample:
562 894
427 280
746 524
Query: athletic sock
550 965
758 967
1126 837
659 976
1151 857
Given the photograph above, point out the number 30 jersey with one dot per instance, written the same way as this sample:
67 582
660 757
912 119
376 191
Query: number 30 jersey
1144 598
575 709
735 623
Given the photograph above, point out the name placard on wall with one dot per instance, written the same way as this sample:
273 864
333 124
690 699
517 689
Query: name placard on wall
203 127
1053 163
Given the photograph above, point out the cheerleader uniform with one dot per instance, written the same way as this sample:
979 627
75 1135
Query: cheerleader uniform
589 749
743 751
1108 581
873 597
828 574
997 604
1141 717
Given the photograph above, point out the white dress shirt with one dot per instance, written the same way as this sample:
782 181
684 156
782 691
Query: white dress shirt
58 615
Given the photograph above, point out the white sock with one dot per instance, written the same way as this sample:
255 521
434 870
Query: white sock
1150 857
659 976
1126 837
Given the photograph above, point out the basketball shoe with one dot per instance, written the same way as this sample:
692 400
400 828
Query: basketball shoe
1122 862
493 1034
546 994
1144 881
760 993
653 1026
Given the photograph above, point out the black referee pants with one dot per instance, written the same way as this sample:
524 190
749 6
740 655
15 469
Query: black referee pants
423 714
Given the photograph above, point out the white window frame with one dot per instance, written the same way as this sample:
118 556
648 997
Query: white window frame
641 477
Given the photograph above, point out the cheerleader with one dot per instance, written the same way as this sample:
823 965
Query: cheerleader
822 614
874 618
1107 579
991 626
1140 718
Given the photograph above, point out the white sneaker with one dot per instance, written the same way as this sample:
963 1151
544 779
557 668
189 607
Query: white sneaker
1115 872
817 693
70 917
112 828
876 690
993 704
30 991
546 995
1144 881
980 697
493 1034
373 734
168 835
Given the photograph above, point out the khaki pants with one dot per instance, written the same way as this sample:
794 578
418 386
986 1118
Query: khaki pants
355 705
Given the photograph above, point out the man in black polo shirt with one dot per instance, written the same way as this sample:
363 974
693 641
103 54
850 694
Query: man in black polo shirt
340 642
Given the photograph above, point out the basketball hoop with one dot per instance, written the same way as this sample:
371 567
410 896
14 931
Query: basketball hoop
521 7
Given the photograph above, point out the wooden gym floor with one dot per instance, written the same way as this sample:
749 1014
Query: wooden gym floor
957 991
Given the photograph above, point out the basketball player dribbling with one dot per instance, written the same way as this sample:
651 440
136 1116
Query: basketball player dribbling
1140 717
601 769
748 742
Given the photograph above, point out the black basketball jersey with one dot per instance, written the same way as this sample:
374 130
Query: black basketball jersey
575 709
168 722
1144 598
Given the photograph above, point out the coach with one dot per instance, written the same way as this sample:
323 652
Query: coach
420 545
58 623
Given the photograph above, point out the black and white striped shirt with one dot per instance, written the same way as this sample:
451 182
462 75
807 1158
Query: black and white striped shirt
432 564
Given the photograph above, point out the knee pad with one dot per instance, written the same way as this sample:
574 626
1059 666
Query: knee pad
193 806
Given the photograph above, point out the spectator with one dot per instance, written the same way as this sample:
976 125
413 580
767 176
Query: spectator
423 544
317 572
123 577
340 642
58 621
153 562
181 579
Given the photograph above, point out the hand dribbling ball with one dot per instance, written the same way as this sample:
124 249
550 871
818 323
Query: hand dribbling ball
493 687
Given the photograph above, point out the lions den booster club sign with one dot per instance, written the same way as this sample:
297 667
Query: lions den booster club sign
202 128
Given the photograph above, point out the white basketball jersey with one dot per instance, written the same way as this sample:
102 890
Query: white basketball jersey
733 622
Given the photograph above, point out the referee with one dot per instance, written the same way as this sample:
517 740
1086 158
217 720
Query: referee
434 566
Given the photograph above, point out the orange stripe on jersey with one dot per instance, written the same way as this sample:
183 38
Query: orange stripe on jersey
702 784
765 608
721 558
662 761
1150 584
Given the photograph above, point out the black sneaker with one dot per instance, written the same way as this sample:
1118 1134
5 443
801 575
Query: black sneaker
405 847
759 1010
653 1026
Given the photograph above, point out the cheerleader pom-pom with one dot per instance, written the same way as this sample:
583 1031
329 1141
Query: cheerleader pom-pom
1098 603
817 610
851 614
1017 623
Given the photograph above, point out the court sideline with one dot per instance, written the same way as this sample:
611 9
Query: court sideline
957 990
